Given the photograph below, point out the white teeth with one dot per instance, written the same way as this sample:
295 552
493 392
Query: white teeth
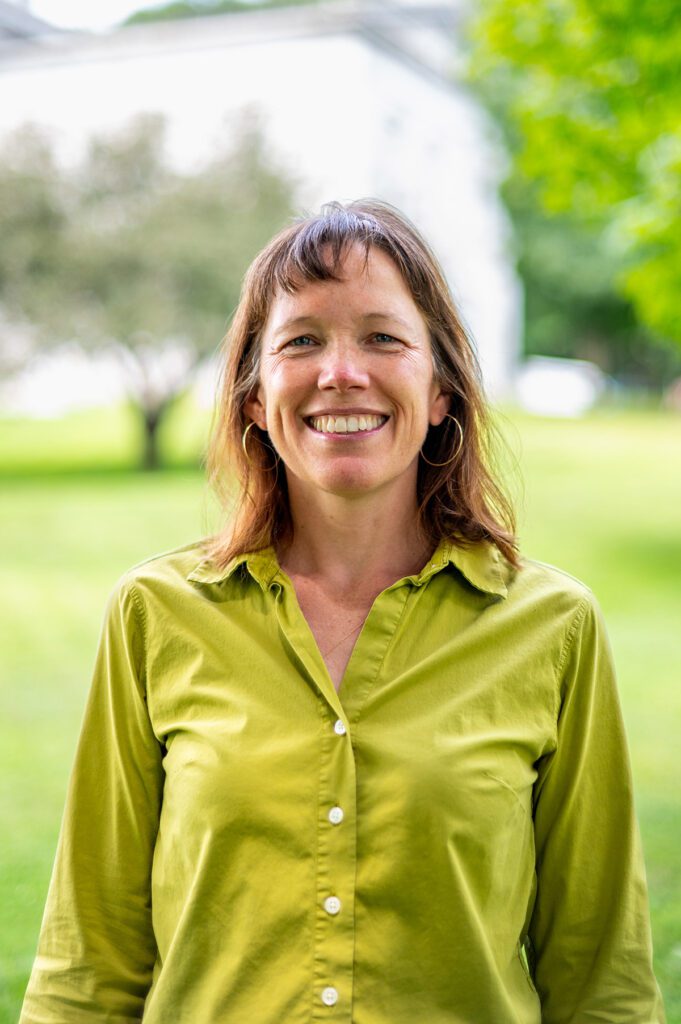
346 424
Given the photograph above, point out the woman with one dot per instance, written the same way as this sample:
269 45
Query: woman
352 760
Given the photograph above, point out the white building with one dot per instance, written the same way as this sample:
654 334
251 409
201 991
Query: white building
358 98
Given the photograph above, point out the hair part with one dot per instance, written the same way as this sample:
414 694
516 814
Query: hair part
461 500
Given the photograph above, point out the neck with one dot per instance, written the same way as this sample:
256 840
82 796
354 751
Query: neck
357 543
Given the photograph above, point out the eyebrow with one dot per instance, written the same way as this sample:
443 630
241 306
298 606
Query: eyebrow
298 321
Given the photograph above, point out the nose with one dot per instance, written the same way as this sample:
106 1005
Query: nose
343 367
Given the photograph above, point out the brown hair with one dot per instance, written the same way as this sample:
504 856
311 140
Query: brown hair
461 500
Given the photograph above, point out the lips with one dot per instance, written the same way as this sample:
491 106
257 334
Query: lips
356 423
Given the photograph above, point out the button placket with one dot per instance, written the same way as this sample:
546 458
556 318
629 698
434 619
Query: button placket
336 870
337 849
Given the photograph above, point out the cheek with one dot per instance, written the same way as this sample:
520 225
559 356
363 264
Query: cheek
414 390
283 407
283 384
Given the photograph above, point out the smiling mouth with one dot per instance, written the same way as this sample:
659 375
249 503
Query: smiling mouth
337 425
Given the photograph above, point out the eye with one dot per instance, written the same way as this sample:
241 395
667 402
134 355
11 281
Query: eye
302 341
383 338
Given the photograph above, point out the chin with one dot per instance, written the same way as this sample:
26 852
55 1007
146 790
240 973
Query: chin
350 484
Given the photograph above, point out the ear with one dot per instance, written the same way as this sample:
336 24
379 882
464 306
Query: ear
439 407
255 410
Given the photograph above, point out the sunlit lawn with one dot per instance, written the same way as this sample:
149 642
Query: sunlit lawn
602 500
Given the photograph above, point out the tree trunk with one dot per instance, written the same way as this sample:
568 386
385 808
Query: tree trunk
151 458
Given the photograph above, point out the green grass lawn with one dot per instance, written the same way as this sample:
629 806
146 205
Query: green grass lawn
602 500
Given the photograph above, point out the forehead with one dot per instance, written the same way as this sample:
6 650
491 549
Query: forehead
366 283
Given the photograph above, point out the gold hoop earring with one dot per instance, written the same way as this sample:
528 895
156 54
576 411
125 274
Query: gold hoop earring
456 453
243 441
249 460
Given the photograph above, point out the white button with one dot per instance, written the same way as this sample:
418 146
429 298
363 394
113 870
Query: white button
329 995
336 815
332 904
339 728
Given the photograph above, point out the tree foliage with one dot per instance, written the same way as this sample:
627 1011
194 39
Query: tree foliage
125 251
590 96
572 307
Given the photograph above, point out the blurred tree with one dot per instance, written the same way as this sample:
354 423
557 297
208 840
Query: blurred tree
34 211
572 306
589 97
126 252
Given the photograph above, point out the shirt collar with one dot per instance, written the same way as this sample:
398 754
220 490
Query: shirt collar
480 563
262 566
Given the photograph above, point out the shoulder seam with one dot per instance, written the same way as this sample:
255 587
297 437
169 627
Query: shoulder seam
571 634
141 615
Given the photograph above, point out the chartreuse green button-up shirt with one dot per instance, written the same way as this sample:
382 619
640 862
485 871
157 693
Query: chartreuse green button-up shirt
448 839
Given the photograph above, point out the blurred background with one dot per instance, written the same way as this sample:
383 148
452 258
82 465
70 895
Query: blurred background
147 153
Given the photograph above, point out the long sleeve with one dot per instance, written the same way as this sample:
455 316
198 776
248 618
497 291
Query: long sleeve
590 927
96 949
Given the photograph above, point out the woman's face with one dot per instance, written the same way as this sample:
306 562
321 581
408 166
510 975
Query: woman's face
346 387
